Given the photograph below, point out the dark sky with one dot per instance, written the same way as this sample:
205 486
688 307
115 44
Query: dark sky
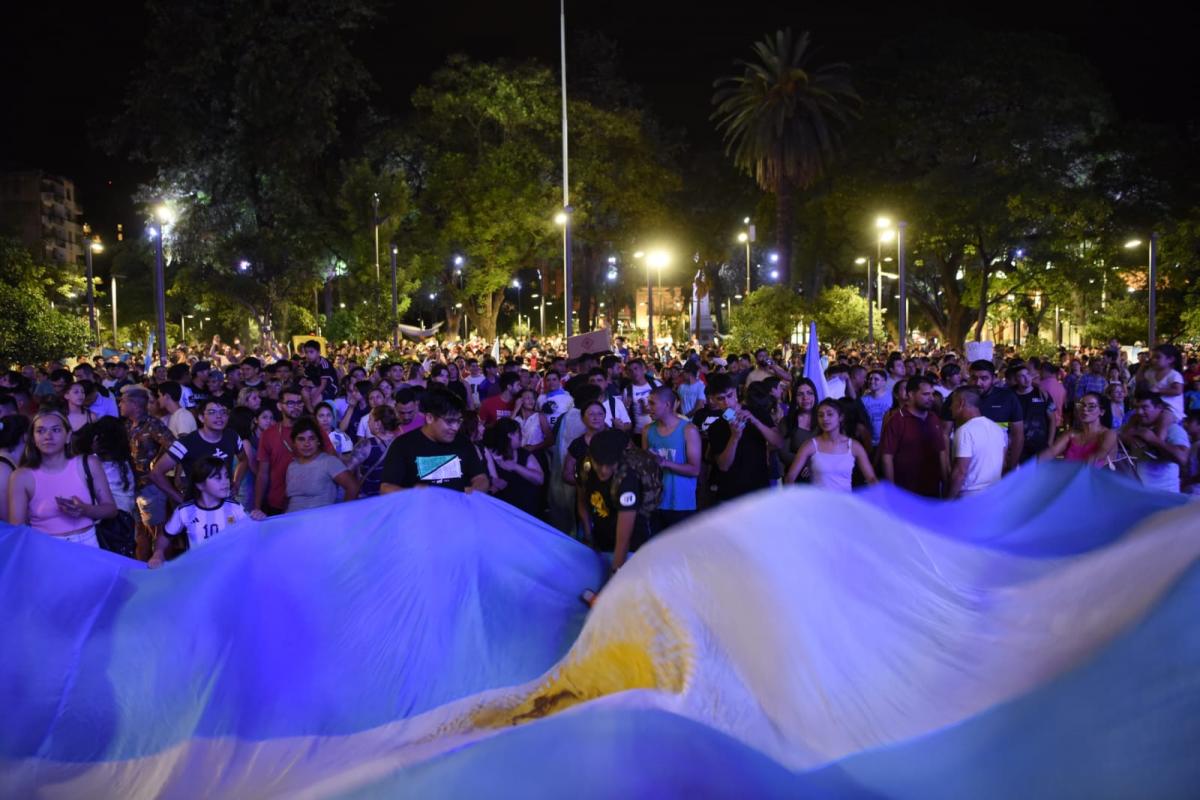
63 72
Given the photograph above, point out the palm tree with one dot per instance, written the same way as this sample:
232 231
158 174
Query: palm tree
782 120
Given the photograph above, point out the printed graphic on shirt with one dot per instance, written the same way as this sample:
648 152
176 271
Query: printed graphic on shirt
628 499
666 453
436 469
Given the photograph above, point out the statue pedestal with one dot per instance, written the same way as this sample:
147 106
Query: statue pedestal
702 323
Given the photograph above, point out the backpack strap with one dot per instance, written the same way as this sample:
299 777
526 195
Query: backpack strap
87 474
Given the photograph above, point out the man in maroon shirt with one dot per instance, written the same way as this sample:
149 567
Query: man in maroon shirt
275 453
500 405
912 446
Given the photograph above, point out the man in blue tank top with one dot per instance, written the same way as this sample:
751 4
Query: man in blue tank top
676 442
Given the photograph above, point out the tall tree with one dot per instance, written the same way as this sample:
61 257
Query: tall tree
241 109
783 119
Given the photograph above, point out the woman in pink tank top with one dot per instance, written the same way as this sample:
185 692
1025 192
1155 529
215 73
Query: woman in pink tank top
1090 442
50 492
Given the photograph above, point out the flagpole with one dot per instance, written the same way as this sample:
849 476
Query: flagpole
567 304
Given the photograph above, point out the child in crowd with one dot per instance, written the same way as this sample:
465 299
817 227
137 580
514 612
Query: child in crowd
210 512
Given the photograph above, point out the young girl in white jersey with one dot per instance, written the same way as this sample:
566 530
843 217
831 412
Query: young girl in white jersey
208 514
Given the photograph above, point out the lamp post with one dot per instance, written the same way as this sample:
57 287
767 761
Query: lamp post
563 218
900 260
870 309
517 285
163 217
395 300
542 304
114 310
1151 284
93 247
657 259
744 238
375 223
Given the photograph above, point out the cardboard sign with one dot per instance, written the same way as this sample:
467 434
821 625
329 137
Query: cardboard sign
298 342
593 342
980 351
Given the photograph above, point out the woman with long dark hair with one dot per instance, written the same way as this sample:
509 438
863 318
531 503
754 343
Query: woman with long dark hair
519 476
13 430
50 492
831 454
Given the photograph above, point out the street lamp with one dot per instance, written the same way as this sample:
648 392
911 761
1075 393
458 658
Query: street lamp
375 222
93 247
744 238
870 307
656 259
563 219
163 216
395 297
1151 283
517 285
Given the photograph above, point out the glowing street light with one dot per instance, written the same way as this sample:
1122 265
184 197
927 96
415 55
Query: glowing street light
656 259
1151 284
774 274
882 222
164 216
93 247
773 258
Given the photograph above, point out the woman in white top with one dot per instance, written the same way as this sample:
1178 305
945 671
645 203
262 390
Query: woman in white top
534 425
831 454
1165 379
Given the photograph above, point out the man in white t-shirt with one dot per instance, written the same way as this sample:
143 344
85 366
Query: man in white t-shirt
979 445
473 379
638 394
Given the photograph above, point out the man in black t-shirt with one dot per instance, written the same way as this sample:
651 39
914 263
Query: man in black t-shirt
703 418
615 519
213 438
1001 406
739 443
1037 411
321 370
434 454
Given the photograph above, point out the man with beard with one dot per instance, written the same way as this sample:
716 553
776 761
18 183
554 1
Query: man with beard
912 448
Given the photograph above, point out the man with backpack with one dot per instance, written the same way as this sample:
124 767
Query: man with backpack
619 489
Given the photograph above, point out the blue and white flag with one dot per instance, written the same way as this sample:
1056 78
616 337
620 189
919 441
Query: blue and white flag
1037 640
813 370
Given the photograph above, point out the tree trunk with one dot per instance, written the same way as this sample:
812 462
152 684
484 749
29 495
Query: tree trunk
453 328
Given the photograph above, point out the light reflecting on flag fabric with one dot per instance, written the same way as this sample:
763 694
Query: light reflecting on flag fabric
1036 640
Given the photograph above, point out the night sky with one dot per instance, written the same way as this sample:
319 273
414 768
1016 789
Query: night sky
62 75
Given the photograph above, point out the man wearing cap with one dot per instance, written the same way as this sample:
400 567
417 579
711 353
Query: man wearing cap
148 439
611 510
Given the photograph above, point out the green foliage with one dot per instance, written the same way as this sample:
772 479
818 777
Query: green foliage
30 330
301 321
1037 347
841 316
250 167
766 318
345 326
782 120
1123 317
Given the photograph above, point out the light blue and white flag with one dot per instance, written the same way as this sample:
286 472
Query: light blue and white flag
1037 640
813 370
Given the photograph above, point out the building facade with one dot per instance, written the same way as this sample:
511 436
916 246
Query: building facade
42 210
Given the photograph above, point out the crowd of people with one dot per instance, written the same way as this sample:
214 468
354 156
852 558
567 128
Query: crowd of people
612 448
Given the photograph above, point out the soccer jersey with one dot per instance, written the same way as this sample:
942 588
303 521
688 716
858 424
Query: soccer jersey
202 523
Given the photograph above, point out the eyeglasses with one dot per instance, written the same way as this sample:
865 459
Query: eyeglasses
291 402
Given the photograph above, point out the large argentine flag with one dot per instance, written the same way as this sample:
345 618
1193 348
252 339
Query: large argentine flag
1038 640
